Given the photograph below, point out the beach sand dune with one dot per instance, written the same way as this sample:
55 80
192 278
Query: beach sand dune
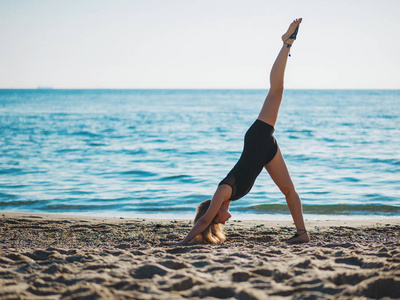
62 257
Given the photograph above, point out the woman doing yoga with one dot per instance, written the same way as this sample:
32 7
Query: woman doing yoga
260 151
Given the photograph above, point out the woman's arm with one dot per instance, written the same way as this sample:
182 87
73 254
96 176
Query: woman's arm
206 219
198 228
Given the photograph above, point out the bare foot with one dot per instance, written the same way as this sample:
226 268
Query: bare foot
287 38
299 238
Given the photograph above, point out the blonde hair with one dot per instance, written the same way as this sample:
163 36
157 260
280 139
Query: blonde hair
214 233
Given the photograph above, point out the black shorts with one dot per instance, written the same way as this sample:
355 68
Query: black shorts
260 147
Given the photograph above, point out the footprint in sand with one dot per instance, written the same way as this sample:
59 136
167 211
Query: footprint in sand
200 264
58 268
41 288
263 272
352 279
148 271
215 292
380 288
181 285
306 264
177 250
352 261
40 254
74 258
185 284
174 265
276 274
240 276
372 265
17 258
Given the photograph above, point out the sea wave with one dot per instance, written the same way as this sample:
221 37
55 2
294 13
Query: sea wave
328 209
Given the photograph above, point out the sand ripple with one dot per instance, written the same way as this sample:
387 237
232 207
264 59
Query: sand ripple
54 259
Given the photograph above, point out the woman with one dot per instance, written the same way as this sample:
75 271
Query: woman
260 150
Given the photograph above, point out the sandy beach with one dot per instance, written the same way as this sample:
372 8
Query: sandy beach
49 256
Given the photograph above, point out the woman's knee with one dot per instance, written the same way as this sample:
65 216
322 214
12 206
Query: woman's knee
276 89
288 190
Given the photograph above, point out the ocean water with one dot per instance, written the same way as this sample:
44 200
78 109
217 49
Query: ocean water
152 153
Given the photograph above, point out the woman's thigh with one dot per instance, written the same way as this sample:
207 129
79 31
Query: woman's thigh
270 108
279 173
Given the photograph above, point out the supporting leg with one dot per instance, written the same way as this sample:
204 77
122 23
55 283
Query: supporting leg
280 175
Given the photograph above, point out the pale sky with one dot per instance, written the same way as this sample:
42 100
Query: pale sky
341 44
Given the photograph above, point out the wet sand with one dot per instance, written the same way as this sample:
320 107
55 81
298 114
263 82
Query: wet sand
46 256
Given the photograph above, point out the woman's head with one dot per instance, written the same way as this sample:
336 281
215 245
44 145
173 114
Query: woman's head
223 214
213 234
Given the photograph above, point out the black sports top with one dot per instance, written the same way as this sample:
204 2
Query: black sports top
260 148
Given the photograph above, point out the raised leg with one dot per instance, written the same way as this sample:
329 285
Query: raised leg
280 175
270 108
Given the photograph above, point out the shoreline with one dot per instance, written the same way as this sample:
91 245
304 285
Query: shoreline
276 217
53 256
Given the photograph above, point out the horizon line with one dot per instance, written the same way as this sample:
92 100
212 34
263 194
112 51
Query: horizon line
70 88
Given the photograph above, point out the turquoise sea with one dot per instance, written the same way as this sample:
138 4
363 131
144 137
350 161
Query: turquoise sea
159 153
